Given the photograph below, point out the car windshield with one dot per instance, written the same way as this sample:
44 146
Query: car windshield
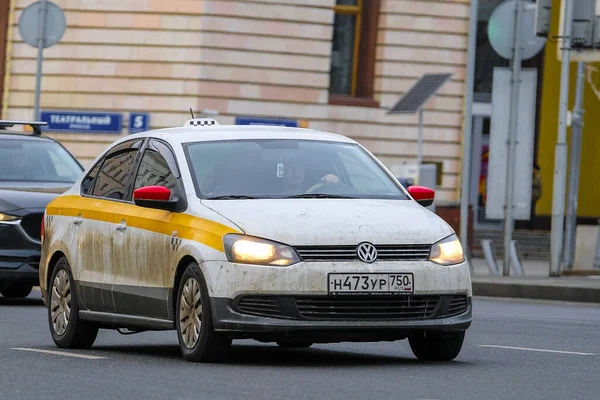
36 161
286 168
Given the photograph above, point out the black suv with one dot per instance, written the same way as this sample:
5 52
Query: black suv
34 169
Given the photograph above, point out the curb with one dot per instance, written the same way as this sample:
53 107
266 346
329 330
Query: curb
536 291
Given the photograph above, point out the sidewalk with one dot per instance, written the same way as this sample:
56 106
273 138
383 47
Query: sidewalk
534 284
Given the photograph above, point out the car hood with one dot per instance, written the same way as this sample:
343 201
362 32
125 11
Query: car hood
303 222
13 199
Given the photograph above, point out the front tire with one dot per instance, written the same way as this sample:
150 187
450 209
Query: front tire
67 329
198 340
437 347
16 291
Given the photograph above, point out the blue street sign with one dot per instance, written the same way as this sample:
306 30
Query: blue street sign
82 121
266 121
139 122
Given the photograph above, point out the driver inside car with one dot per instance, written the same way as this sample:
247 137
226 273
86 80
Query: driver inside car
294 174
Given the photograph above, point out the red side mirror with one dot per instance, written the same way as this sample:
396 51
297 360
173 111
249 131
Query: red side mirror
422 195
153 193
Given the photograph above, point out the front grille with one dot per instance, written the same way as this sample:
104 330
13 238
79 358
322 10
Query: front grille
456 305
348 253
31 224
368 307
261 306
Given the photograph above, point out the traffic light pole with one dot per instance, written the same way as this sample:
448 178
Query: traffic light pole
560 156
574 161
468 134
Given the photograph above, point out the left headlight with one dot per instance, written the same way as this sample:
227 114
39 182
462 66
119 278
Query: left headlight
447 251
8 218
250 250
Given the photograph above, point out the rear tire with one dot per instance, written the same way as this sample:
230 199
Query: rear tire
67 329
437 347
16 291
198 340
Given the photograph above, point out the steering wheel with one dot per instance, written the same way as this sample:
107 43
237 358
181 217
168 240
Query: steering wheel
319 185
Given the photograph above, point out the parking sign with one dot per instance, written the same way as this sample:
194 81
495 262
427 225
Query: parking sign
139 122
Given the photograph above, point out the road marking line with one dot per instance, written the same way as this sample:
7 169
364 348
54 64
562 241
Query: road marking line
541 350
60 353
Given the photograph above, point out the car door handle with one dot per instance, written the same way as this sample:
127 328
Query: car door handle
78 220
122 227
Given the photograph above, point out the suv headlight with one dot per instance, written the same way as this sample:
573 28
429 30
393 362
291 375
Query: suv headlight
250 250
447 251
8 218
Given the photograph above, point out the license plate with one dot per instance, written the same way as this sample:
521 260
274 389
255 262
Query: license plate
381 283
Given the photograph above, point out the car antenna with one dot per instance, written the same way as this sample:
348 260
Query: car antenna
191 112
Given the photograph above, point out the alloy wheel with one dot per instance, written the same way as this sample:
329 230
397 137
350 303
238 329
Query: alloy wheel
60 304
190 313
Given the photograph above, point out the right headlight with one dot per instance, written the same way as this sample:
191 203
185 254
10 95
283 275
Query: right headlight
447 251
251 250
8 218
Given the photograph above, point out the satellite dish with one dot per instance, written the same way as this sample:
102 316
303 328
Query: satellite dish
501 30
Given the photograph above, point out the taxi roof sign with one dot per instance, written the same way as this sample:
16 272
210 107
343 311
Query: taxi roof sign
199 122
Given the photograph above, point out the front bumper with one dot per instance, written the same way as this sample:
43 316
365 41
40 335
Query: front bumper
282 298
19 256
228 319
229 280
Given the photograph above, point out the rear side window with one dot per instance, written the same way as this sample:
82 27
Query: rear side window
112 177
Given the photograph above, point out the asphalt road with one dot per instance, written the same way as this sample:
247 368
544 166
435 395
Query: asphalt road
541 350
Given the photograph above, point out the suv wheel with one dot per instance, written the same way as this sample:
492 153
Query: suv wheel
16 291
68 331
437 347
198 340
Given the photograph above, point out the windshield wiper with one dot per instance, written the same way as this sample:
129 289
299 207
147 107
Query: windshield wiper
318 196
231 197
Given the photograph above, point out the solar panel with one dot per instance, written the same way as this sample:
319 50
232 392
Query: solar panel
419 94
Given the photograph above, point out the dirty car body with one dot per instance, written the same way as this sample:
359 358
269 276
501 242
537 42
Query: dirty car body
275 234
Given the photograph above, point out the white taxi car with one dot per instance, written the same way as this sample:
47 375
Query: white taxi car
276 234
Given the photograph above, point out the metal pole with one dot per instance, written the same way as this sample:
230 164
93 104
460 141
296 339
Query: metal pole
468 124
560 155
512 139
574 161
420 144
597 260
38 75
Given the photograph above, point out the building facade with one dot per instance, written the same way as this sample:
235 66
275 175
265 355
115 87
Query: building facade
334 65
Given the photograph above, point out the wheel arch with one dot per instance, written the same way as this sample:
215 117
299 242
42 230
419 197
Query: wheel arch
181 266
51 265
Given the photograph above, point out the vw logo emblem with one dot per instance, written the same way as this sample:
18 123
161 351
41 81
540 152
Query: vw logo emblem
366 252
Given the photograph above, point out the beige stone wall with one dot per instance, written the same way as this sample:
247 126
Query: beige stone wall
259 58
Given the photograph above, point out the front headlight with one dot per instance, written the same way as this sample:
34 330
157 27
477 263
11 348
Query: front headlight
250 250
8 218
447 251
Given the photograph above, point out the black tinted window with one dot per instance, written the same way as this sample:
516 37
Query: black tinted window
88 182
36 161
154 171
112 178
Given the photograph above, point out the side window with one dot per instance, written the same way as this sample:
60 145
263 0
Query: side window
112 177
88 182
154 171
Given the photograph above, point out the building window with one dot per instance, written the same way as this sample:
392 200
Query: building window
352 68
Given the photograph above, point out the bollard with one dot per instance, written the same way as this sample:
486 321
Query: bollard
490 256
515 258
